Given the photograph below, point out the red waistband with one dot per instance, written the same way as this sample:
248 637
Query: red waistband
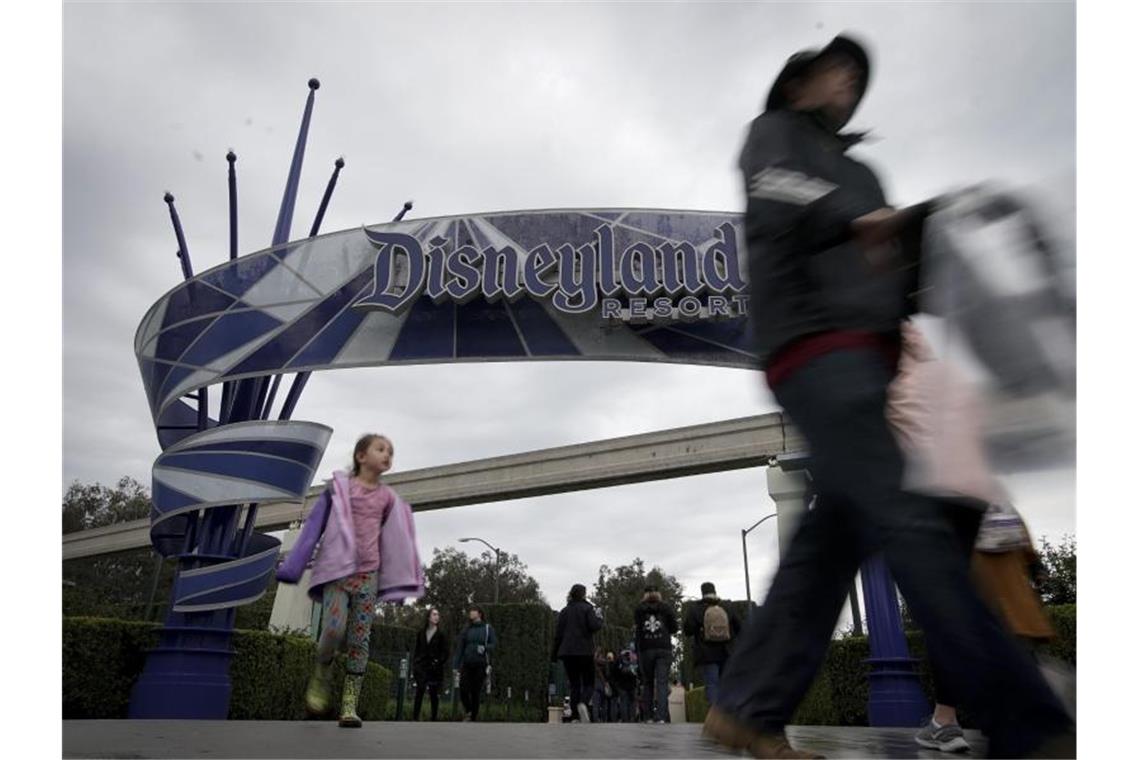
794 355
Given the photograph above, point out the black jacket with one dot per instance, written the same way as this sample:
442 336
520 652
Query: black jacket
807 274
709 652
429 659
619 679
654 623
574 631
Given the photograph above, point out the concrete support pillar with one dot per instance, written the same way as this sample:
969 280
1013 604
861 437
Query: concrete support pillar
292 608
787 489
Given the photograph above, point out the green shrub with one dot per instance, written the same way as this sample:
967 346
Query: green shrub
521 660
1064 619
101 661
103 658
395 639
696 705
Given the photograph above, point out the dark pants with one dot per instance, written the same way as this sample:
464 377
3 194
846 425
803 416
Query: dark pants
580 676
471 679
432 688
601 703
655 676
838 401
965 517
625 700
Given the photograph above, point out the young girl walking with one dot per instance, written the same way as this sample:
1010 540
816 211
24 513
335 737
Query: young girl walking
366 552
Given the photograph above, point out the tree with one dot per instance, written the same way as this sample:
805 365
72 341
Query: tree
619 590
111 585
93 506
1057 579
455 579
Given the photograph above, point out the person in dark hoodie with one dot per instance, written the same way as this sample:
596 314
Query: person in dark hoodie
428 663
574 646
830 286
473 660
713 626
655 623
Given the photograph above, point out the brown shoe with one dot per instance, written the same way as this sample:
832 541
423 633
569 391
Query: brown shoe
727 731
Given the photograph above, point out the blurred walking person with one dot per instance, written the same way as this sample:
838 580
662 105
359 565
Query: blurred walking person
937 418
827 261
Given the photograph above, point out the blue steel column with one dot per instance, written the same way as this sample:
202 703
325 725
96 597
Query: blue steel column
896 697
187 675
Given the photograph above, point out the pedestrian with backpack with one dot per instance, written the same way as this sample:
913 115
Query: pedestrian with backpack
713 626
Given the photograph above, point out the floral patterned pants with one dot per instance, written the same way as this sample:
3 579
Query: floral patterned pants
348 607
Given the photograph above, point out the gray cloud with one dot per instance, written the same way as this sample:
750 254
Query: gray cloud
480 107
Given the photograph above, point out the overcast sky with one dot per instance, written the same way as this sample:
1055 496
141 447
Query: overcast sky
482 107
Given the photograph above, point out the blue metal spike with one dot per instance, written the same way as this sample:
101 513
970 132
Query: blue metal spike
338 165
407 207
289 200
183 251
257 410
290 404
231 157
203 409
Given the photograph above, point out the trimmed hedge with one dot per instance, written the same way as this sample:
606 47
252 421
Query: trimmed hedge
521 660
103 658
838 697
393 639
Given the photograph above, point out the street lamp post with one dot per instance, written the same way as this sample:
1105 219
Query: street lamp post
497 554
744 544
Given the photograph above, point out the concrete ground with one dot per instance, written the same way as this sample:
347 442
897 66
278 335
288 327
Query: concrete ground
304 739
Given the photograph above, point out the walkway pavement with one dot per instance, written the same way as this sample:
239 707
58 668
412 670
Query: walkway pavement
302 739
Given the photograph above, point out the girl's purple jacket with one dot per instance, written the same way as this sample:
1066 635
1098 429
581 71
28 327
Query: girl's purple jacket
401 574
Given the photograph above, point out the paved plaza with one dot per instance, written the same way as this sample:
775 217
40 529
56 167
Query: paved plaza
301 739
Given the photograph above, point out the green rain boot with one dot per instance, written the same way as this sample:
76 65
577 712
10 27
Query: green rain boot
348 716
317 695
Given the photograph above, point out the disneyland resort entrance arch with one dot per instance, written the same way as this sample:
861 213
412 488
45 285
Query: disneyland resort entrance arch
580 284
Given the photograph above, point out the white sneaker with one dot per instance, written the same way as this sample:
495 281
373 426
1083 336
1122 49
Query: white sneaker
947 738
583 712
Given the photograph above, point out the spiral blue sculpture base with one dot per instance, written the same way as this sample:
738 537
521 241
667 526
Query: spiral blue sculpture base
222 564
186 677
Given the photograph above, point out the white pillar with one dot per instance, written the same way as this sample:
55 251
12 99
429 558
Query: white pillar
787 489
292 608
